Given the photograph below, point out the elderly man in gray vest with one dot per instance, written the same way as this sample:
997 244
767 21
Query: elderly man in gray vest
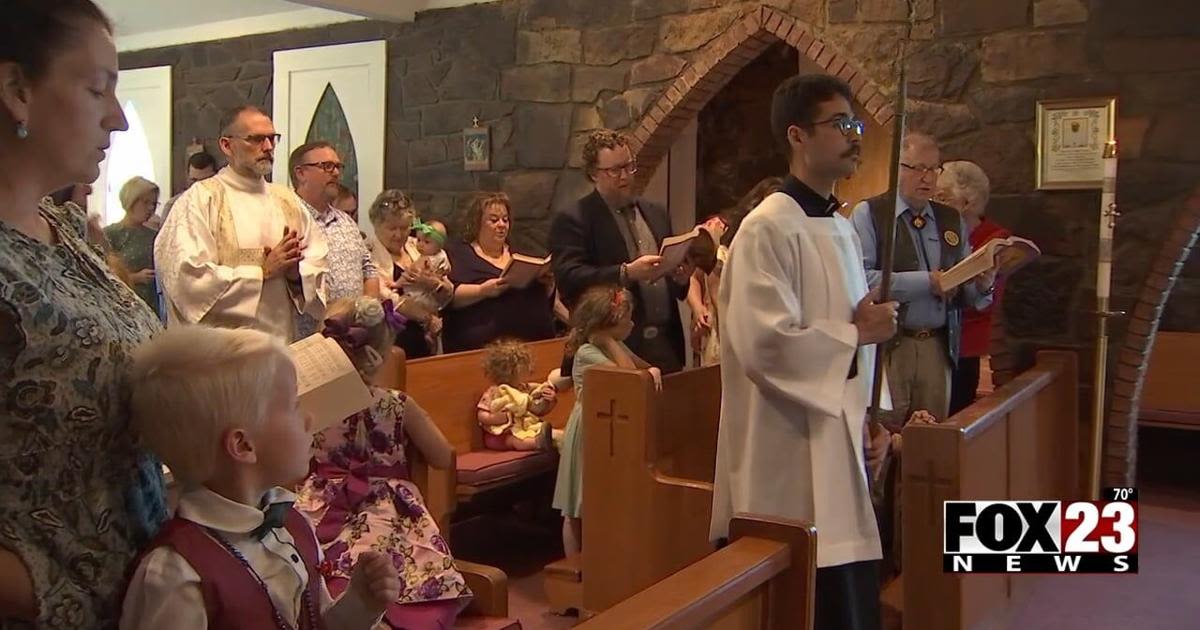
920 358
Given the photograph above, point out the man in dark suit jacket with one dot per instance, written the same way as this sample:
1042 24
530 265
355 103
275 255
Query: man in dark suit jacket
612 237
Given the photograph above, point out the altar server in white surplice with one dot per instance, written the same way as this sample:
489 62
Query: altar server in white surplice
796 358
238 251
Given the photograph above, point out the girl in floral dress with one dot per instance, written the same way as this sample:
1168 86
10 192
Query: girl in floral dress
359 496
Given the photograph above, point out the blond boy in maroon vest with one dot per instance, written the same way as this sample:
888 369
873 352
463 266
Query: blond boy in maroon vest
220 408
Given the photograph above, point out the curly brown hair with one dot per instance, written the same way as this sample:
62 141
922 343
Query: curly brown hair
598 140
599 308
507 362
474 217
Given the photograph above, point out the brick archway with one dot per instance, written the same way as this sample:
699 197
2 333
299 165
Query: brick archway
719 60
1120 430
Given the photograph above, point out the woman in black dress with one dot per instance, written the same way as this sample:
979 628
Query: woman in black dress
485 308
392 215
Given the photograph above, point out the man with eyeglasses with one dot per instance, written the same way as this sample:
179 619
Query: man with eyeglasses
612 237
316 172
919 359
238 251
798 334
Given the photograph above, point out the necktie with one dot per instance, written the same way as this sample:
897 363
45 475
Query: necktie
273 517
918 221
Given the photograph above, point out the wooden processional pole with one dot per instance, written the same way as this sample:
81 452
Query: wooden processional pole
889 220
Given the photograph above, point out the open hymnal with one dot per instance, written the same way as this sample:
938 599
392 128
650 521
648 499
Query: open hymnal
674 249
523 270
329 387
1009 254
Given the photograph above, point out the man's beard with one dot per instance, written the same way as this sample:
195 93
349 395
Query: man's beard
263 167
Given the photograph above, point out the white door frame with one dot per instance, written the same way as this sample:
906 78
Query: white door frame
350 68
150 91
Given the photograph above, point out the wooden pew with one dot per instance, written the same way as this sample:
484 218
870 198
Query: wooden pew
650 458
1170 397
1019 443
763 580
448 387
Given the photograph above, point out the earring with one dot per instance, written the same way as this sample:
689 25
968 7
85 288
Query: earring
22 131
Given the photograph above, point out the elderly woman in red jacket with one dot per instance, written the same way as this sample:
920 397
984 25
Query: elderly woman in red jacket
964 186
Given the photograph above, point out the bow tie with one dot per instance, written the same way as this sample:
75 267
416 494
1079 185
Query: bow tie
273 517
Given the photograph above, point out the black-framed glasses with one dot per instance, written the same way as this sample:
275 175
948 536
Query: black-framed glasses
845 125
615 171
924 170
258 139
328 167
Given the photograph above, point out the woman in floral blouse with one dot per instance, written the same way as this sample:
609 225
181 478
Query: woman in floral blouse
78 497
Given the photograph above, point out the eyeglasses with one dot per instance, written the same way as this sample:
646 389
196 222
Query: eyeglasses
844 125
328 167
258 139
923 170
615 171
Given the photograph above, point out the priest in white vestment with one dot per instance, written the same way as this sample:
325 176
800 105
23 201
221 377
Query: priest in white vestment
238 251
796 333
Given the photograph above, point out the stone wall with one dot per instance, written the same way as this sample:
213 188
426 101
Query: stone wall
734 156
542 73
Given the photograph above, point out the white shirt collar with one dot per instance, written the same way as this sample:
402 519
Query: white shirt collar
209 509
231 178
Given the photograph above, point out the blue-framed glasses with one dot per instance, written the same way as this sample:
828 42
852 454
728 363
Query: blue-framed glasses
844 125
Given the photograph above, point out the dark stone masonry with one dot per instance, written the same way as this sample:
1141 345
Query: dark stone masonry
542 73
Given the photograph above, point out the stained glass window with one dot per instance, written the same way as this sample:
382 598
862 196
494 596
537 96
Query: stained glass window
329 124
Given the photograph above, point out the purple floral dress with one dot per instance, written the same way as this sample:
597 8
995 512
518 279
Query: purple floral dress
359 498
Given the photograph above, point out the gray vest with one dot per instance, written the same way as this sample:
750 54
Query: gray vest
905 256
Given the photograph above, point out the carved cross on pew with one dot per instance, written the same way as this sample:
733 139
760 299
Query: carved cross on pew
933 481
613 418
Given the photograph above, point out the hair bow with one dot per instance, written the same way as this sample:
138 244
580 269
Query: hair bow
394 319
430 231
618 299
348 337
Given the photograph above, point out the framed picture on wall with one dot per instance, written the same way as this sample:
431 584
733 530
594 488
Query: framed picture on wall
1071 134
477 148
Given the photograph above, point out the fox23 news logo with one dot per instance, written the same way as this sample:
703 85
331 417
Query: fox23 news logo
1042 536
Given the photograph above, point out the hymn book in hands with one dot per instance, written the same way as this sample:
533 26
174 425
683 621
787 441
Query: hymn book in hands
674 249
523 270
329 386
1009 255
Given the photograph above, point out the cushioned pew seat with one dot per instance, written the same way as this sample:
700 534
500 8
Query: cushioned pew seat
479 469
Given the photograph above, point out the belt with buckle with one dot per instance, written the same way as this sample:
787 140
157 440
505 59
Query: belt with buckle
922 333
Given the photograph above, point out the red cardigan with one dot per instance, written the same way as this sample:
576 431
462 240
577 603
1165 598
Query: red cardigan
977 325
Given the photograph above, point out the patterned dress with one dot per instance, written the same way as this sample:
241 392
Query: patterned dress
359 498
77 497
135 246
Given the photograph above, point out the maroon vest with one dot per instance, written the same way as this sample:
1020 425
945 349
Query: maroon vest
233 599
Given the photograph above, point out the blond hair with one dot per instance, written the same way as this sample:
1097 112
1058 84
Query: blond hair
191 384
507 362
473 220
134 189
366 313
599 308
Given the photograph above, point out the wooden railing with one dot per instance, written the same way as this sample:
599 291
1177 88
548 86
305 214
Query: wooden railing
763 580
1021 442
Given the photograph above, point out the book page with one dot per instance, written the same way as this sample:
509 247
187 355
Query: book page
1009 254
329 387
318 360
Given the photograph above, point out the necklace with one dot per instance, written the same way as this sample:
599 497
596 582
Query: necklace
306 604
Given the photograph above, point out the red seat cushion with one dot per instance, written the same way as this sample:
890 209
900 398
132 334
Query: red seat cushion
479 468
